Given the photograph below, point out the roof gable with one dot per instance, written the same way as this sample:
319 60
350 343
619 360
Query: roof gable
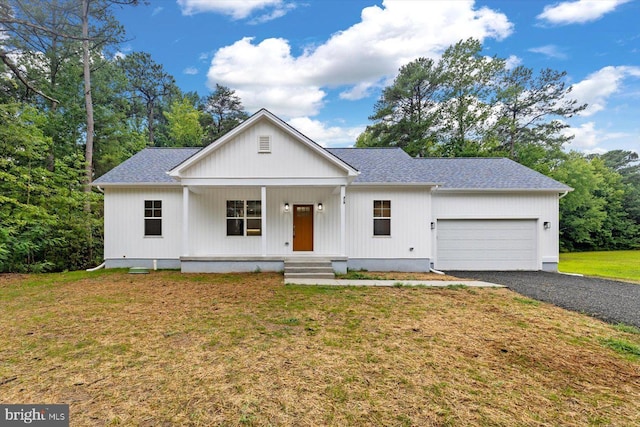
249 157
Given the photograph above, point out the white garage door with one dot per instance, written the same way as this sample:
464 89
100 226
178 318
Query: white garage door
487 245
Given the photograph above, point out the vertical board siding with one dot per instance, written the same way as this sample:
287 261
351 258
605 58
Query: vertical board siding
542 207
239 158
410 219
207 221
124 224
326 224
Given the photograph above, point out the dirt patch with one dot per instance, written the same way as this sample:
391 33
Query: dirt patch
244 349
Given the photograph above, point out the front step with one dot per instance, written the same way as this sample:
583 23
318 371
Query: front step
308 269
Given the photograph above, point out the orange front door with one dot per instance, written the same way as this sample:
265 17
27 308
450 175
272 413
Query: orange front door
302 227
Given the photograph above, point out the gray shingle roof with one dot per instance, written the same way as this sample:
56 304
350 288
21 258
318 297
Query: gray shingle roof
147 166
379 165
376 165
484 173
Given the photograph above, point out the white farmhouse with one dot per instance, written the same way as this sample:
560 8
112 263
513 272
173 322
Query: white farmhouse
264 193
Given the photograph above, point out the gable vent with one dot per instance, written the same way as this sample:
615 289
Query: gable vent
264 144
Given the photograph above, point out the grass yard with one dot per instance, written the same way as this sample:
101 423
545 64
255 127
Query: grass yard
243 349
623 265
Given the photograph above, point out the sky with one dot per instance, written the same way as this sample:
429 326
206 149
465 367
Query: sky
320 65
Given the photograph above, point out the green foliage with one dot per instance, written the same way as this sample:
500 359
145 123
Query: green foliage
44 226
592 216
223 111
184 124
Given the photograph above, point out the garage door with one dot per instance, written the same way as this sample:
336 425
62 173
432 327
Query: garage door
487 245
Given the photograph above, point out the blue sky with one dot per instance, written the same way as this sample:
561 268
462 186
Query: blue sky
320 64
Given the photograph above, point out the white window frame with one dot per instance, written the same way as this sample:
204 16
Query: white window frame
381 212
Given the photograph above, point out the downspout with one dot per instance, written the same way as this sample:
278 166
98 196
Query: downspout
565 193
97 268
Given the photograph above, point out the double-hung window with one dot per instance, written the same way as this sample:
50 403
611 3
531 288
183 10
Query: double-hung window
382 217
153 217
244 218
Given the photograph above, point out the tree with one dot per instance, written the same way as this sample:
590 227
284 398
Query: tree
467 84
224 111
184 124
406 112
627 164
148 80
42 212
529 110
592 217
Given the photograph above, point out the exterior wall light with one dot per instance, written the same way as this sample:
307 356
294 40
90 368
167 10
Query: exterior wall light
547 225
320 207
286 207
433 225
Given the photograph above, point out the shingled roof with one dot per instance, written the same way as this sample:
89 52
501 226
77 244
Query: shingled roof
149 166
484 173
376 166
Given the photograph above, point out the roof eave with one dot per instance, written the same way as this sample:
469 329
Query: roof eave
396 184
505 190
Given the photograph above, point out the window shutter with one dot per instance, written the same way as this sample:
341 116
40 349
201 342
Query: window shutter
264 144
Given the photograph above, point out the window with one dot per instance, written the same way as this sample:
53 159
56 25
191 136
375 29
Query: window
244 218
153 217
382 217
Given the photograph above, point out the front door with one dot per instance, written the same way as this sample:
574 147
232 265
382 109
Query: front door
302 227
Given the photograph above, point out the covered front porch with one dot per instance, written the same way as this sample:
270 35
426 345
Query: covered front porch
256 228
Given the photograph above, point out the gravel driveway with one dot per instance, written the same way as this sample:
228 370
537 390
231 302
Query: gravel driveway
609 300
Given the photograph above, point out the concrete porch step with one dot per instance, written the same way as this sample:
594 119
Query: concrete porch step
308 269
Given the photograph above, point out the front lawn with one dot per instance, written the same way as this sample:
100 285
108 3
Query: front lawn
623 265
244 349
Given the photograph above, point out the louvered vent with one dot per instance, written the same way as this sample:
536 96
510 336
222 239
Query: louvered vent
264 144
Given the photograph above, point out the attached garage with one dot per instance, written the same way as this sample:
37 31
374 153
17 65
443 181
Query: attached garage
487 244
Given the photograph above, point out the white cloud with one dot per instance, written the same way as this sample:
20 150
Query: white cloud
512 62
192 71
236 9
598 87
157 10
550 50
578 12
585 136
267 74
326 135
588 138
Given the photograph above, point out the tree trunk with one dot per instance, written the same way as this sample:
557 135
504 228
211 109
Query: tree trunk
88 101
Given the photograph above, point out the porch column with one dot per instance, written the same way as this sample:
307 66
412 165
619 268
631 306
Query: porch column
343 223
263 206
185 221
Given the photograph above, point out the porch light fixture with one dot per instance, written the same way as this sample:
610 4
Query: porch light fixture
547 225
320 207
286 207
433 225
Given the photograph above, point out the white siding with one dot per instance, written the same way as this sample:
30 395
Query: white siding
542 207
239 158
207 221
326 224
124 224
410 223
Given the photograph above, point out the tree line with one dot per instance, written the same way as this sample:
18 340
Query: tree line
71 109
467 104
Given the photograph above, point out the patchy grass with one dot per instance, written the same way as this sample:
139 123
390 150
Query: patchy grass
392 275
623 265
244 349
